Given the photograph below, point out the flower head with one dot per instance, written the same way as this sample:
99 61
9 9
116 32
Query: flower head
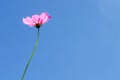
37 20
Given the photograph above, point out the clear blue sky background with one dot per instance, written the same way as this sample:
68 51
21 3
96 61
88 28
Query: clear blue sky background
80 42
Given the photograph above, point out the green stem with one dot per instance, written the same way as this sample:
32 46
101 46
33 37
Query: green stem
30 59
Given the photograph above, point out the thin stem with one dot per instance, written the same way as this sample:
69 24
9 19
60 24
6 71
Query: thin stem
32 54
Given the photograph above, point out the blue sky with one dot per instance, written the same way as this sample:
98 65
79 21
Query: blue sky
80 42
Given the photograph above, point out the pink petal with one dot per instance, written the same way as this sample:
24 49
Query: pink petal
28 21
35 18
47 17
44 17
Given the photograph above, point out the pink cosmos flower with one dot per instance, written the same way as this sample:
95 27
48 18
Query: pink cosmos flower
37 20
